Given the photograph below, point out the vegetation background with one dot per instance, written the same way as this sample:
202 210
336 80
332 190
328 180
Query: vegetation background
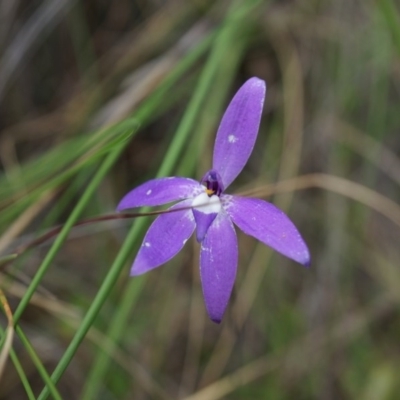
99 96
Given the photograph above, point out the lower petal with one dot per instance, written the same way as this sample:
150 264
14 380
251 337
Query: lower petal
205 210
218 264
165 238
203 222
268 224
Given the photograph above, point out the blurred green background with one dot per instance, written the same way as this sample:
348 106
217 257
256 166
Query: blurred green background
98 96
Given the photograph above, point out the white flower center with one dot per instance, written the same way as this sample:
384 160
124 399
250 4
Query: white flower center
206 204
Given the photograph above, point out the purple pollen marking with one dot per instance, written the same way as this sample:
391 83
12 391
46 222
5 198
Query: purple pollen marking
213 182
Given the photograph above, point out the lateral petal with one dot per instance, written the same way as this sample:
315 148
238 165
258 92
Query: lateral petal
238 130
218 264
164 239
160 191
269 225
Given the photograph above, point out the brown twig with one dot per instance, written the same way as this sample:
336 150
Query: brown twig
8 259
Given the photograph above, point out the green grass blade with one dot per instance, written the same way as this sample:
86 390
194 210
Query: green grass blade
82 204
22 375
392 17
38 364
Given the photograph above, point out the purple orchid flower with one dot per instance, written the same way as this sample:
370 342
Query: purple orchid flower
206 207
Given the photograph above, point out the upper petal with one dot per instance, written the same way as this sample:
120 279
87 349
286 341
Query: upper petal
160 191
218 264
268 224
164 239
238 130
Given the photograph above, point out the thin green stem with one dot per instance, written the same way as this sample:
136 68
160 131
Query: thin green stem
38 364
79 208
22 375
104 168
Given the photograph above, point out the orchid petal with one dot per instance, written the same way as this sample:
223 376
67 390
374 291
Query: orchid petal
205 209
218 264
238 130
165 238
203 222
160 191
268 224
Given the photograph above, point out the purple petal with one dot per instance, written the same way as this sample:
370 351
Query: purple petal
164 239
238 130
218 263
203 222
268 224
160 191
205 210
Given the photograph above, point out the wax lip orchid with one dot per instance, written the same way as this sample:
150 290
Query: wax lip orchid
204 206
